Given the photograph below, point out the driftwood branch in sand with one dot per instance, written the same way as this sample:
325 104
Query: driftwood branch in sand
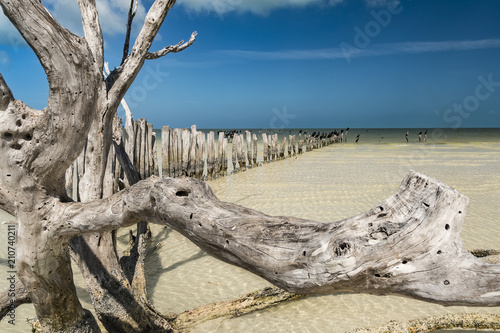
475 321
408 245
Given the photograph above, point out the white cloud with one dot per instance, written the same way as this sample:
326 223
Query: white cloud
4 58
259 7
372 50
263 7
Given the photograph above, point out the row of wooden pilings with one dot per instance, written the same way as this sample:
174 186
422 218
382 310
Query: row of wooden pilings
192 153
189 152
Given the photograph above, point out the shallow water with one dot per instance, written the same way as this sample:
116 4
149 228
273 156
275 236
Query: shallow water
329 184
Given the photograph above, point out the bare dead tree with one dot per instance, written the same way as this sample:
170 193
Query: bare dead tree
408 245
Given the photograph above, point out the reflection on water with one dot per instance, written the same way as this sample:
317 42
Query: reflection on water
329 184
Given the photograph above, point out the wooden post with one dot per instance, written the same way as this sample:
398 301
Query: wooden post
224 157
300 144
178 152
241 152
274 143
186 144
200 153
142 149
173 151
249 148
210 155
254 155
293 145
221 155
290 140
137 146
234 155
151 166
265 147
155 166
166 150
282 148
192 153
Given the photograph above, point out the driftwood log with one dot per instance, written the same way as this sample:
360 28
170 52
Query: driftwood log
407 245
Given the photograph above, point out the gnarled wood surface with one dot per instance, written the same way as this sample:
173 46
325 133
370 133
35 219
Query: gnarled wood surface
407 245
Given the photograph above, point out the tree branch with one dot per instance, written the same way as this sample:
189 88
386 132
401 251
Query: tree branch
120 79
172 48
408 245
131 14
260 299
92 29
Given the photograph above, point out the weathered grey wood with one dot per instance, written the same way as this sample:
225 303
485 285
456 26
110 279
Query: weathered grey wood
366 253
200 155
300 145
142 144
249 151
69 180
254 155
187 166
165 151
234 152
173 160
192 152
274 147
178 149
224 157
282 149
221 155
211 153
150 153
265 145
241 152
156 157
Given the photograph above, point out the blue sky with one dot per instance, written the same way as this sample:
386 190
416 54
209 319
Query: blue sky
299 63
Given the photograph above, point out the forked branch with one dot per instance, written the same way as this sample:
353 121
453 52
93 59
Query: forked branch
120 80
172 48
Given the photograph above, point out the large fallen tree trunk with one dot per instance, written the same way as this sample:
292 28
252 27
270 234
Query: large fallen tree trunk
408 245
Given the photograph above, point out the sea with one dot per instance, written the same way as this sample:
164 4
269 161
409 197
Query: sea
327 184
